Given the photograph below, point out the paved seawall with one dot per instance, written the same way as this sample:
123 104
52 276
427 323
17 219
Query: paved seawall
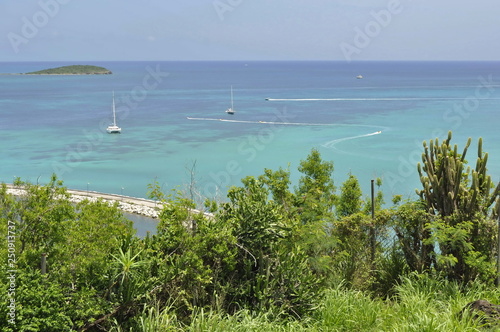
141 206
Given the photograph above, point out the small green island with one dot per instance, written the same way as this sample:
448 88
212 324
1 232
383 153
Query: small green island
73 70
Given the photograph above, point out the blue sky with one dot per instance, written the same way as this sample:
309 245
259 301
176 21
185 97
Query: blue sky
93 30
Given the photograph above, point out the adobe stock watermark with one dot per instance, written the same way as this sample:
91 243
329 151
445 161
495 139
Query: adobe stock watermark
93 138
11 272
249 148
363 37
454 117
224 6
31 26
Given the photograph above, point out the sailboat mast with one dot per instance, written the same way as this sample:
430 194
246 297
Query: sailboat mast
232 107
114 116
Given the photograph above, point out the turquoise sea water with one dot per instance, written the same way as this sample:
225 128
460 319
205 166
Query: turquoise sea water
172 118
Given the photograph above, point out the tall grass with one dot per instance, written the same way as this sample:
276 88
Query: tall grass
153 319
348 310
244 321
420 304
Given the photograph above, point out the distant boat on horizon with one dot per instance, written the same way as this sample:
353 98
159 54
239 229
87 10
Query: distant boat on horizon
359 77
231 110
113 128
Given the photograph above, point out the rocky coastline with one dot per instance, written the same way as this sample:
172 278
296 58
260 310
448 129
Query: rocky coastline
142 210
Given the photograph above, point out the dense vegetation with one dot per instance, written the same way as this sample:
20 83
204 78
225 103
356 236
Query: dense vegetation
269 258
73 70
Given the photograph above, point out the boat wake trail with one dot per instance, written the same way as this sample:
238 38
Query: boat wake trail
371 99
264 122
332 144
285 123
329 145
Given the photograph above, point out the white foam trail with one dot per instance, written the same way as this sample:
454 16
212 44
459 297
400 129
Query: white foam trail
286 123
331 144
373 99
411 87
264 122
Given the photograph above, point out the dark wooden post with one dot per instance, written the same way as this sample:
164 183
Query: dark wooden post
497 281
372 229
44 263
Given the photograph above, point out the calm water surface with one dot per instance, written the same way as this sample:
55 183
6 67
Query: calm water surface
173 121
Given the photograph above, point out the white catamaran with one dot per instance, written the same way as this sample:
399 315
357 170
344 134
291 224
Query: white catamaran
113 128
231 110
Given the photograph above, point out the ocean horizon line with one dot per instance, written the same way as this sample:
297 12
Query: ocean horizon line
256 60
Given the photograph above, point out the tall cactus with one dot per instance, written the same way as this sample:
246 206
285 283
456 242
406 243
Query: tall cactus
460 196
447 187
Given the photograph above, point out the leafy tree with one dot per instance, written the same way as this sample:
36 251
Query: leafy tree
312 237
250 254
279 183
272 271
316 190
361 239
78 240
349 201
258 227
43 214
39 305
411 225
191 256
155 192
95 233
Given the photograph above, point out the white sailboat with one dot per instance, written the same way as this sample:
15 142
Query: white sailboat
113 128
231 110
